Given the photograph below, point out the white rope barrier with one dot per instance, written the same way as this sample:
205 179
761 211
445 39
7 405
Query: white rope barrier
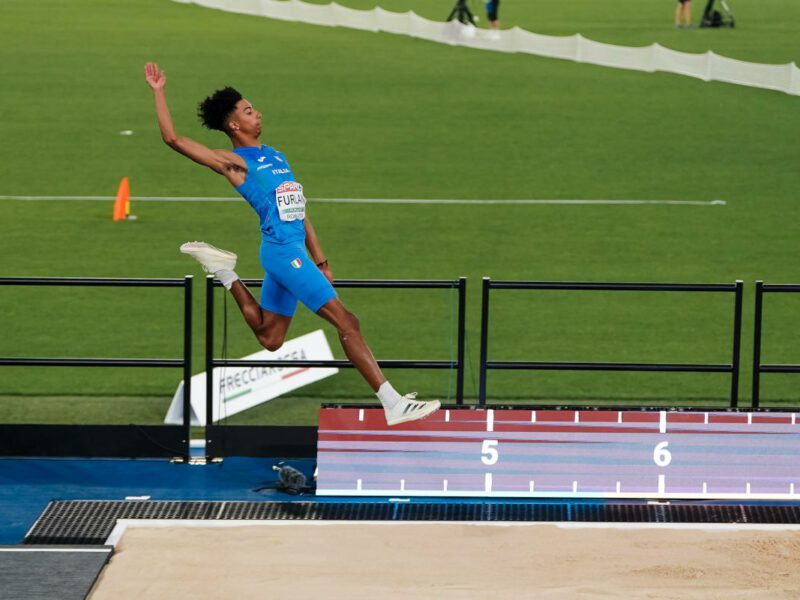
708 66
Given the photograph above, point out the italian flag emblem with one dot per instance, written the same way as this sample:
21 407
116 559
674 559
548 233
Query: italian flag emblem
296 263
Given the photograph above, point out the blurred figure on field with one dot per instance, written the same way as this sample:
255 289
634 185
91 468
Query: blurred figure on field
492 7
683 13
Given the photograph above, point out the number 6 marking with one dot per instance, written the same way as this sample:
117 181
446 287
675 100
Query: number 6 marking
661 455
489 452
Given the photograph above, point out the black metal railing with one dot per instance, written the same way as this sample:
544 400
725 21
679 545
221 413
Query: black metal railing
758 368
732 368
184 363
91 440
457 364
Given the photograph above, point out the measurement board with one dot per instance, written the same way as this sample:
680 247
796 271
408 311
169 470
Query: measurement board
561 453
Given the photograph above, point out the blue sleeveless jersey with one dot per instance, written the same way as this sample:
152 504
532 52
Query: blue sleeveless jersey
270 188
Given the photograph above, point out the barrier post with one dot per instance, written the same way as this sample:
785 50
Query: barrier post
737 343
209 351
757 343
209 361
462 315
187 361
484 341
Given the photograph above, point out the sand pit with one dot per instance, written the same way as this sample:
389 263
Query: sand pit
451 560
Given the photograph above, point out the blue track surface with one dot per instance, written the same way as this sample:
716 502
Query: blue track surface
27 485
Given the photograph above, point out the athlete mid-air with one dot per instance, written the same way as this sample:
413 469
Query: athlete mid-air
288 242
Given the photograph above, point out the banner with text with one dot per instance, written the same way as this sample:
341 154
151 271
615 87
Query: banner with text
239 388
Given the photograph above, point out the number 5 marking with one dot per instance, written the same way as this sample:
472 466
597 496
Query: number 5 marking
661 455
489 452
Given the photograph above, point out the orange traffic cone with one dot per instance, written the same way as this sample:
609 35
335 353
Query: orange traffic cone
122 205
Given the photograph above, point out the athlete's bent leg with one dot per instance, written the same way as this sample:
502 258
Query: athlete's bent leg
399 409
269 328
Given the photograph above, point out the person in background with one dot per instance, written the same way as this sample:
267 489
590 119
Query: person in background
492 7
683 13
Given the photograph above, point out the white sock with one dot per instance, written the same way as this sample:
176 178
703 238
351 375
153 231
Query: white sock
226 277
388 395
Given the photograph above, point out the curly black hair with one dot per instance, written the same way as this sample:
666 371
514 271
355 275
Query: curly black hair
215 110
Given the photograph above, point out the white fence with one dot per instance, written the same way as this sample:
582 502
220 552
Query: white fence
708 66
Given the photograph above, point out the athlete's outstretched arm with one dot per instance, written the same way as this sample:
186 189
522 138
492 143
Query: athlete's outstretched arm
224 162
315 250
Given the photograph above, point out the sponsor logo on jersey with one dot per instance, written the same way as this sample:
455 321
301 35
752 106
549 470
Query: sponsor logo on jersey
262 159
296 263
266 166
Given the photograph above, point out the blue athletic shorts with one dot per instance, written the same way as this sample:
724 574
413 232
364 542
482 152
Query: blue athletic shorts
290 275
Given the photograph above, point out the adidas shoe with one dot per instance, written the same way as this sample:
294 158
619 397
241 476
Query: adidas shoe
410 409
210 258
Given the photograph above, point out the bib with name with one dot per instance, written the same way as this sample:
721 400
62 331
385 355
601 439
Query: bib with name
290 201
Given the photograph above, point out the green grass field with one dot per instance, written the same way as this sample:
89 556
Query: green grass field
380 116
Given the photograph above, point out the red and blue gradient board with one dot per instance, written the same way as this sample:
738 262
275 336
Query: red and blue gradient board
561 453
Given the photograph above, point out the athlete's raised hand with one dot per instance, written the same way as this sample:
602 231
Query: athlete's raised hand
224 162
154 77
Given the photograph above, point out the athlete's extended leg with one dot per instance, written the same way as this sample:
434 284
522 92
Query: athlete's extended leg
353 343
399 409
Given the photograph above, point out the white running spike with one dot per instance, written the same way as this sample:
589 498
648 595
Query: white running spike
212 259
409 409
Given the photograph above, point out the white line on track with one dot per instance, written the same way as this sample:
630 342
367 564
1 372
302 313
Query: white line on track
125 524
380 200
